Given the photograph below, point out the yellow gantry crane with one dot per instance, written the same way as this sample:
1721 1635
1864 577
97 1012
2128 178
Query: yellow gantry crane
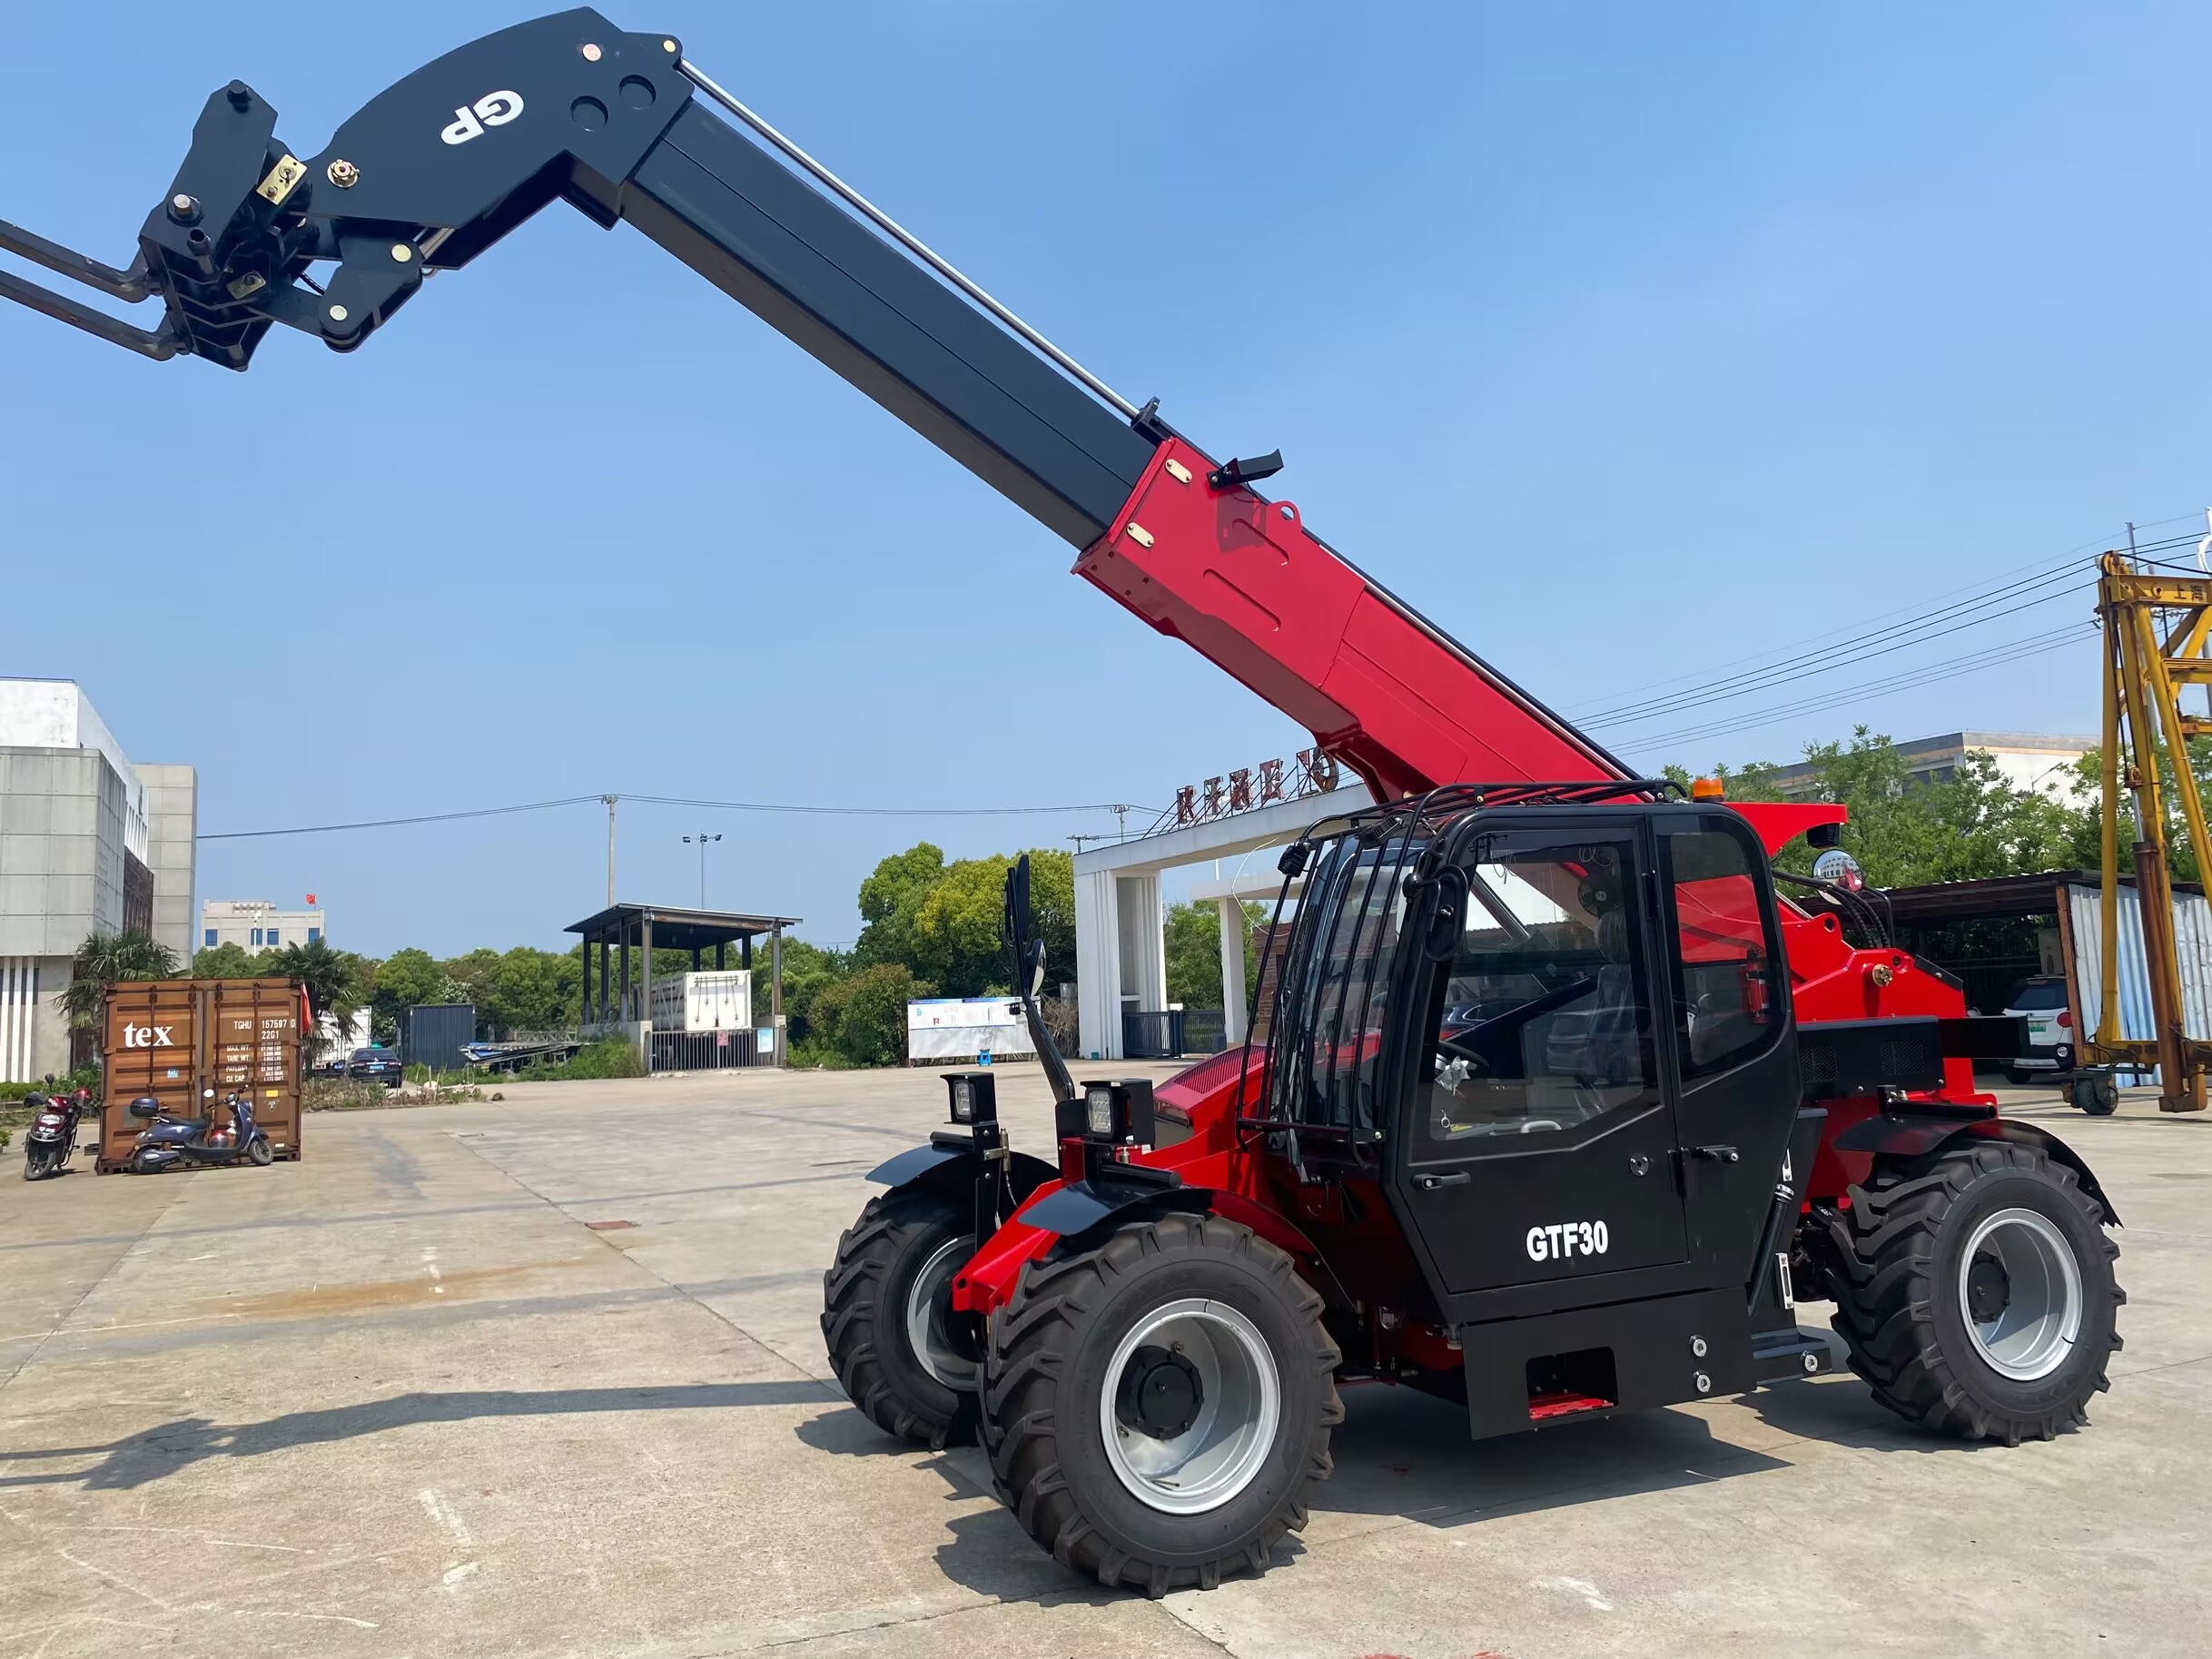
2143 674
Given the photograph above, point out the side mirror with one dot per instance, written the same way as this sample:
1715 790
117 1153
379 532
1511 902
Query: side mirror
1025 952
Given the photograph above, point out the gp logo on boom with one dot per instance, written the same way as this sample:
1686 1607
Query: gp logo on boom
1565 1238
494 109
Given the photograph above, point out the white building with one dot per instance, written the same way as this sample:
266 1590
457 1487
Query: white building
256 924
1120 935
2025 760
89 842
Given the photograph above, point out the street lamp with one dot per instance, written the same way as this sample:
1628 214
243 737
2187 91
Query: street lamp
702 838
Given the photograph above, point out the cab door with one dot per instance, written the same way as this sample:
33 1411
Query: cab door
1537 1142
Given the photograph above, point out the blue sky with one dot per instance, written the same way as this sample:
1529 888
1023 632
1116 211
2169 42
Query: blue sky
1626 342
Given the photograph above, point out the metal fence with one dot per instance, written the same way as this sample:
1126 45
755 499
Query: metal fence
1205 1031
723 1050
1156 1035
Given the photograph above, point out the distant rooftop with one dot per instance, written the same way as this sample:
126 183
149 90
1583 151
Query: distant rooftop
1948 746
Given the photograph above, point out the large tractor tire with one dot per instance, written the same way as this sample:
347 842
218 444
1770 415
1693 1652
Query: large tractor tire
886 1318
1157 1409
1976 1292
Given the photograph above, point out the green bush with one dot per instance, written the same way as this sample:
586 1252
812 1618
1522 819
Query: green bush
609 1057
83 1077
863 1018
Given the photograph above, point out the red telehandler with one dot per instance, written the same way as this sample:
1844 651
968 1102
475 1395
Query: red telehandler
1557 1104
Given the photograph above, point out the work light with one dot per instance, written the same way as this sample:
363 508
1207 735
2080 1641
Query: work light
1098 1110
974 1097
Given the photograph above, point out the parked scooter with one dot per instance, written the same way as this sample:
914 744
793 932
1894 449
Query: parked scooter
167 1142
52 1135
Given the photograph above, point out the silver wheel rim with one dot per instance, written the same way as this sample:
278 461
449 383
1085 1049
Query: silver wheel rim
2034 1333
1227 1443
925 1333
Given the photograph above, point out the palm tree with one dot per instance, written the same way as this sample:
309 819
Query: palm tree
337 981
104 959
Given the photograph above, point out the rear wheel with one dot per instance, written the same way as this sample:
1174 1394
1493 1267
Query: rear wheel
260 1151
1977 1293
897 1348
1159 1409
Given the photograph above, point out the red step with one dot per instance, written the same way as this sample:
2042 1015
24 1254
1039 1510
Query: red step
1543 1405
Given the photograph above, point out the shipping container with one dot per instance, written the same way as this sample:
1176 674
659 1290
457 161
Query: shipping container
173 1039
433 1034
716 1000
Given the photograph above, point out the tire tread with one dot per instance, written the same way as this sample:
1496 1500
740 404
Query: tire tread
1883 1279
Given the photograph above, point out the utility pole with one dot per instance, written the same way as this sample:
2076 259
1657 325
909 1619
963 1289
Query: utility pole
610 801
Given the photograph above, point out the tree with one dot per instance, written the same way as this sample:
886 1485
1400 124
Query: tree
1194 953
863 1018
337 983
229 961
1907 832
2182 861
808 968
956 934
889 897
533 991
104 959
402 981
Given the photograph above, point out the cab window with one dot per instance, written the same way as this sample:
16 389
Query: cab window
1726 988
1545 1023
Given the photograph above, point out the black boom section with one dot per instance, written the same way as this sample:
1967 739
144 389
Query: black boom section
771 241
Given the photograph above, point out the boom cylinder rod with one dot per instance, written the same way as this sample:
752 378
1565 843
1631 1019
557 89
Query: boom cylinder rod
905 238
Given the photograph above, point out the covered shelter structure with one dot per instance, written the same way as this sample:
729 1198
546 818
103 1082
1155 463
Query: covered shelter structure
1119 938
619 990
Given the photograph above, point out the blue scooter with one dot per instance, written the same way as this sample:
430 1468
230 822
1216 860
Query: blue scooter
167 1143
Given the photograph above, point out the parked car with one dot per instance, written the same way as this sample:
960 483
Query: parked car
378 1065
2041 1004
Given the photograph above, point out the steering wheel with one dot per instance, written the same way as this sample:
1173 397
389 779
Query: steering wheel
1533 1009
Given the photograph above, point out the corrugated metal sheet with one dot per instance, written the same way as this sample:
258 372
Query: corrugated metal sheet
2193 945
432 1033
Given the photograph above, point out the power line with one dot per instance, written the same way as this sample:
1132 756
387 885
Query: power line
1662 707
890 812
661 800
434 817
1929 674
1787 659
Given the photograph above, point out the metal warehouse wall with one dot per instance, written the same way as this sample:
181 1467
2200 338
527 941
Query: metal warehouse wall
2193 945
431 1034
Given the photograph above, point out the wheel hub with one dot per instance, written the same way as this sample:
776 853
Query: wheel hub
1988 1289
938 1336
2020 1290
1190 1405
1161 1393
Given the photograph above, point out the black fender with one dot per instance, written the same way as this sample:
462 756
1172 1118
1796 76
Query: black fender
953 1164
1099 1204
1905 1136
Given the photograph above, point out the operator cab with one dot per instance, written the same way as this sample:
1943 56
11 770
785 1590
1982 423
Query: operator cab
1559 1036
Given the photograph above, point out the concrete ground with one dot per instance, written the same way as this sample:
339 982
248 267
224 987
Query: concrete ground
544 1378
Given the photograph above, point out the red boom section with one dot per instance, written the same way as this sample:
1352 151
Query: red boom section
1240 581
